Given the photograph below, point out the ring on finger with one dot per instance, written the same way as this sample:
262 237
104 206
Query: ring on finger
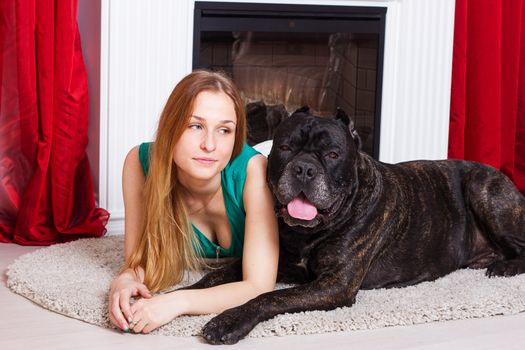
138 326
133 323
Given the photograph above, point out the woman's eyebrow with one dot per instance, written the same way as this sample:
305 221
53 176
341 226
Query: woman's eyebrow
221 121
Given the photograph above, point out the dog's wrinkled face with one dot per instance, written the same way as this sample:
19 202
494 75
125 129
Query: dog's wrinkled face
311 168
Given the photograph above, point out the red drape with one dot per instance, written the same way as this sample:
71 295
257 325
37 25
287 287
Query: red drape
46 190
487 112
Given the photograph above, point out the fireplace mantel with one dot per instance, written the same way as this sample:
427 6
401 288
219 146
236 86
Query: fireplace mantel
146 47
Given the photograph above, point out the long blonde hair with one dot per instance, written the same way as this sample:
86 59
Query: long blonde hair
168 245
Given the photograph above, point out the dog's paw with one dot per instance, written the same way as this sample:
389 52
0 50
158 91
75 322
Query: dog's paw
226 328
506 268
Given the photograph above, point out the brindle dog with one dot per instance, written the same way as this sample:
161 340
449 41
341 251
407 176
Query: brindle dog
349 222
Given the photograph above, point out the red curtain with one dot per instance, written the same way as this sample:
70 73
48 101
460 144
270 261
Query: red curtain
487 112
46 190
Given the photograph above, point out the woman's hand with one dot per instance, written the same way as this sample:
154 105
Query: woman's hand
125 286
149 314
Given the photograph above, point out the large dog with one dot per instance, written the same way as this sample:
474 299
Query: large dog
349 222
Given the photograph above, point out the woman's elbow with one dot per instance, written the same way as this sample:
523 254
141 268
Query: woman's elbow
263 287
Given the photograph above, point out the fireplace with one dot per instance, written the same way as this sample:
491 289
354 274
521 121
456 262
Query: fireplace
136 53
283 57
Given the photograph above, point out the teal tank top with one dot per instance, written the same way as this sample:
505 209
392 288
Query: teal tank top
233 178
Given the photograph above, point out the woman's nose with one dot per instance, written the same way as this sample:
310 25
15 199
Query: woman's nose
208 143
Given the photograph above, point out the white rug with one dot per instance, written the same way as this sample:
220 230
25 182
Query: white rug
73 279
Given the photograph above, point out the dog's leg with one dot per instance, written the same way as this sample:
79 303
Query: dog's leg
234 324
232 272
499 209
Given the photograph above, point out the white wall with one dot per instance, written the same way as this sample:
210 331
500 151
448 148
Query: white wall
145 51
146 46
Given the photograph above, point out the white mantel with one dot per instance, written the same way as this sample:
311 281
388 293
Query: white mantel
146 48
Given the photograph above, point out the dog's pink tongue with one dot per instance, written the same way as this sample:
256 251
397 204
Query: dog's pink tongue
301 208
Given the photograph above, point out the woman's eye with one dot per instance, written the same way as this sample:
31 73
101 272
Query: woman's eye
224 131
284 148
332 155
195 126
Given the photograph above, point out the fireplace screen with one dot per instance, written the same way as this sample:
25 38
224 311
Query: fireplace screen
283 57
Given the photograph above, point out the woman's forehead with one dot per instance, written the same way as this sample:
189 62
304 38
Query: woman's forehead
203 119
214 106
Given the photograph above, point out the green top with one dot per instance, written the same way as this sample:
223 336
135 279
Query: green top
233 178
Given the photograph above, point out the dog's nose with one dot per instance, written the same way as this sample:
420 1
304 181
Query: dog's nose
305 171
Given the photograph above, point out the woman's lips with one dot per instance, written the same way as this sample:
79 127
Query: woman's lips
205 161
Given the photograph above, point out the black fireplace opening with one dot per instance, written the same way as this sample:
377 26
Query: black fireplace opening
283 57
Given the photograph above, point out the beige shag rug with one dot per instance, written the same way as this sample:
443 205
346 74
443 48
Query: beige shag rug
73 279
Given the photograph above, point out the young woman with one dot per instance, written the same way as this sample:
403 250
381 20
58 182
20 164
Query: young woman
197 191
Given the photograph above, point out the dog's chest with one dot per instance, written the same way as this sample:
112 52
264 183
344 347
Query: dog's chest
302 263
301 254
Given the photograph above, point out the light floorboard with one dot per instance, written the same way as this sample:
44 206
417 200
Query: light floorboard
25 325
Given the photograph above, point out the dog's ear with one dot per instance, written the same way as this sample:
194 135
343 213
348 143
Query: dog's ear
349 123
303 109
343 117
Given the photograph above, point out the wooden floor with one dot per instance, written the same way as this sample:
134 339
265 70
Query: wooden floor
24 325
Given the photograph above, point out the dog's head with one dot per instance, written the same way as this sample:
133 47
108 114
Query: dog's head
312 167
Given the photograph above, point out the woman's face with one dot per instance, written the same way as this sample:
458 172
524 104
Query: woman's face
206 145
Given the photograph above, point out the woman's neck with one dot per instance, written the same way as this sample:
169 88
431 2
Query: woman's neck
199 187
198 193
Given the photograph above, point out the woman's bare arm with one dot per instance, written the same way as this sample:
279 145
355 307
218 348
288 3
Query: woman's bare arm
133 181
129 283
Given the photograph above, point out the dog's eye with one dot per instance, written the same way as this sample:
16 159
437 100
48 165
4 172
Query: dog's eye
332 155
284 148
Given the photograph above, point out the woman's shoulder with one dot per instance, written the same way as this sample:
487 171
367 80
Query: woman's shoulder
256 170
133 156
257 163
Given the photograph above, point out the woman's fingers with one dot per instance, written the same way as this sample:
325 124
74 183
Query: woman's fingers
143 291
148 328
121 311
142 325
113 320
121 322
116 323
124 305
139 325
